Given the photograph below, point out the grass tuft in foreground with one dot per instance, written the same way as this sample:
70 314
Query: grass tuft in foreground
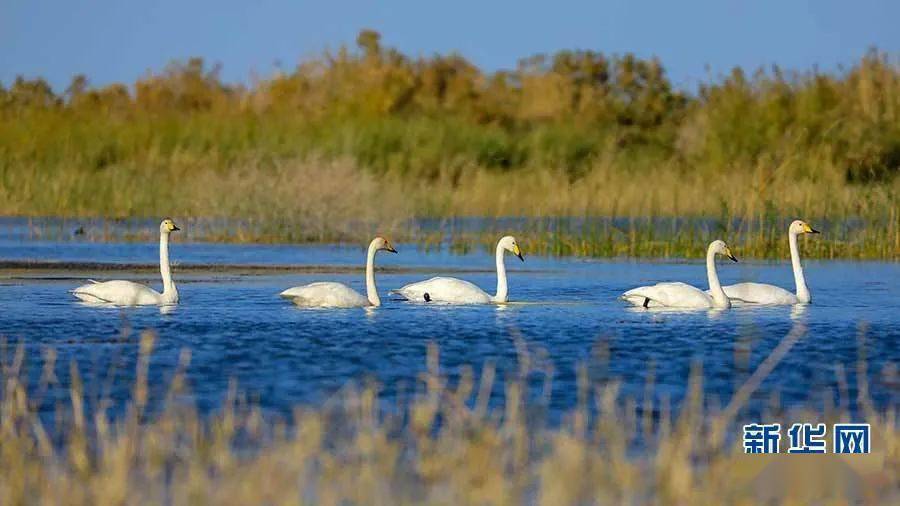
447 445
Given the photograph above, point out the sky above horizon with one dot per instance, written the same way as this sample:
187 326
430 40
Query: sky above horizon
114 41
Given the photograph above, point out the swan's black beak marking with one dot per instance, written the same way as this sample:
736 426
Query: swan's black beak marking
175 227
814 231
391 249
732 258
519 254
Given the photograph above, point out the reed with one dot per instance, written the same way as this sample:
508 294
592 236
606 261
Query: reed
602 215
367 138
450 443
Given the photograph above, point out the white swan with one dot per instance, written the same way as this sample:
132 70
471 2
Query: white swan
129 293
458 291
760 293
682 295
331 294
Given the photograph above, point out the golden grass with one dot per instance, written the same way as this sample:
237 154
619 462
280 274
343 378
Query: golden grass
666 214
298 189
448 445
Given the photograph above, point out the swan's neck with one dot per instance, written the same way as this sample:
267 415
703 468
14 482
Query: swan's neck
371 289
799 279
715 288
502 289
170 293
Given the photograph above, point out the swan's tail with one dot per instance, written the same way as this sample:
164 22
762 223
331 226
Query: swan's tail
399 292
85 296
92 281
292 293
634 296
76 291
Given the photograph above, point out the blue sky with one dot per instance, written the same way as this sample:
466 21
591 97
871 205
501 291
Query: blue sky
118 41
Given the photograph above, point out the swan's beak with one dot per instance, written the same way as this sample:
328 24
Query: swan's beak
812 231
175 227
518 252
727 253
390 248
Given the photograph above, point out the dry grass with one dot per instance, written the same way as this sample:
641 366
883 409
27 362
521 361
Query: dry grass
334 201
290 201
448 445
299 189
662 192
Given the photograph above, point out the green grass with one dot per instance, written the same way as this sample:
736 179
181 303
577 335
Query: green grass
363 140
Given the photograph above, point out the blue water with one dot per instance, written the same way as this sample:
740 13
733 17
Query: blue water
565 313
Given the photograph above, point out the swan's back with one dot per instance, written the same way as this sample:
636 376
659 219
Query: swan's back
441 289
118 292
325 294
759 293
675 294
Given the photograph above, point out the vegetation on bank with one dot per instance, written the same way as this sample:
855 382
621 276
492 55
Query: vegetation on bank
449 444
376 137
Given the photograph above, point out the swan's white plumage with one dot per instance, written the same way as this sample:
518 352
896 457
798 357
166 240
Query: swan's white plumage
325 294
441 289
671 294
339 295
129 293
458 291
761 293
118 292
682 295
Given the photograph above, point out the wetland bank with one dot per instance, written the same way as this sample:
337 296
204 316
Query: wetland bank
367 140
608 175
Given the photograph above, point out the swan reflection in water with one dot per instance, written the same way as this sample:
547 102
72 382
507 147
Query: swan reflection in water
164 309
798 312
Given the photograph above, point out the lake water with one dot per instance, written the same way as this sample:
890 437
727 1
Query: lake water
565 311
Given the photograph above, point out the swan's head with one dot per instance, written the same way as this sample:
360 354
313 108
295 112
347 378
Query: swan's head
380 243
509 244
801 227
167 226
718 246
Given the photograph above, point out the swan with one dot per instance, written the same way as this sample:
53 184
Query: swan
458 291
331 294
129 293
682 295
760 293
